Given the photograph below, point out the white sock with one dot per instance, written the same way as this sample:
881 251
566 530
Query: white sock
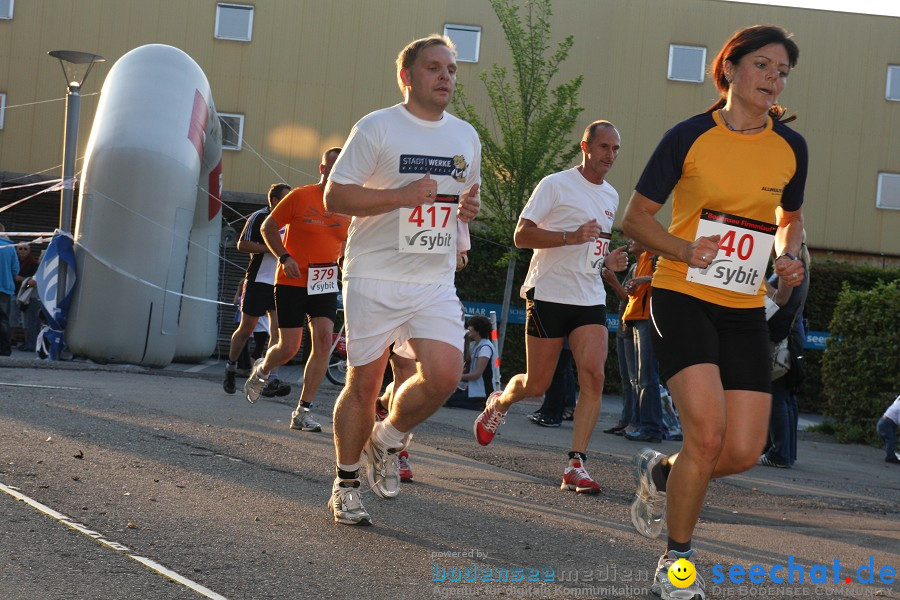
386 435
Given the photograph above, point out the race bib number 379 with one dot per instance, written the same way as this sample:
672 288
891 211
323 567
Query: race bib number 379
744 249
429 228
322 279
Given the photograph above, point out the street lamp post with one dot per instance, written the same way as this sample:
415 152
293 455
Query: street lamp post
76 66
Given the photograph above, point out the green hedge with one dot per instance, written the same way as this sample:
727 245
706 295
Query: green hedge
861 366
827 279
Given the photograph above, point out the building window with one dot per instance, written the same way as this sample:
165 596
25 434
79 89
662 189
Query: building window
888 191
687 63
467 39
232 131
6 9
2 108
892 89
234 21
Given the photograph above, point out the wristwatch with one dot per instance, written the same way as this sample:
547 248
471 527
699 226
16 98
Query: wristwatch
788 255
284 257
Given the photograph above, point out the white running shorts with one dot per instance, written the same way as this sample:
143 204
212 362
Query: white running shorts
379 313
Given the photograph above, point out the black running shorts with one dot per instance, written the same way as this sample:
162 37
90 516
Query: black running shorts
554 320
294 304
259 298
688 331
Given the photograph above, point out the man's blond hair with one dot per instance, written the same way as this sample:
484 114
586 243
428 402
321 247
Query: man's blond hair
410 53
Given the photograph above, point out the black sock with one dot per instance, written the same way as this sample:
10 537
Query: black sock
660 474
348 475
678 546
579 455
306 405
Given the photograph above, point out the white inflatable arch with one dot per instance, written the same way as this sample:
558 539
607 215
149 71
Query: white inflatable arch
149 219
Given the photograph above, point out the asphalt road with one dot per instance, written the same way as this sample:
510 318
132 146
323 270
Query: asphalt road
112 475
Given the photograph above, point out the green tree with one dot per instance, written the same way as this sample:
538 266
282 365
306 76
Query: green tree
525 135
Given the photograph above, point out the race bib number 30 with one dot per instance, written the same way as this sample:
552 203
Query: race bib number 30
429 228
596 252
322 279
744 249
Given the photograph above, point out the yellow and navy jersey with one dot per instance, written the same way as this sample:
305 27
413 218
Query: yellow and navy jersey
704 165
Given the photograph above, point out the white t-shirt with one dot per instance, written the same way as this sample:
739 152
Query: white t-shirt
893 411
479 349
388 149
565 201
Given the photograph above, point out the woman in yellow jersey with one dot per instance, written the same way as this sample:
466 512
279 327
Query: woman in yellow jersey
736 174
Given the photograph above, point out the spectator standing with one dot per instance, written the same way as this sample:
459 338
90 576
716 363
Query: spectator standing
787 322
9 269
637 317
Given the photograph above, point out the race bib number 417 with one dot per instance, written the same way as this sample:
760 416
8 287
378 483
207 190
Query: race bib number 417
744 249
429 228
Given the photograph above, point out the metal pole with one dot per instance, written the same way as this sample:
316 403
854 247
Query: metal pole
70 142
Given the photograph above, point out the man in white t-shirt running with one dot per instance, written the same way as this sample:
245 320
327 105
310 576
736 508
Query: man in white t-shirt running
568 222
408 175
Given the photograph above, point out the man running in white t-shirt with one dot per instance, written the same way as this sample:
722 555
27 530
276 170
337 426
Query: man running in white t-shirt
568 222
407 174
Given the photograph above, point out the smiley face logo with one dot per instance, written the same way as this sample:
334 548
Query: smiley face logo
682 573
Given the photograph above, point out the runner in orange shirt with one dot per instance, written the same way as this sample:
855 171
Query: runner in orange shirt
306 284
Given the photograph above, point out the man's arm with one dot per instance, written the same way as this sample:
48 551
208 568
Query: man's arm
271 232
529 235
358 201
247 245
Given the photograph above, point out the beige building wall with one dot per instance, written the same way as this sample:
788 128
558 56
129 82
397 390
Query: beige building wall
313 68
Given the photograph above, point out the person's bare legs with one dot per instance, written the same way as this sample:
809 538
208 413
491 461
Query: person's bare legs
438 368
354 411
241 335
724 433
541 356
317 363
589 347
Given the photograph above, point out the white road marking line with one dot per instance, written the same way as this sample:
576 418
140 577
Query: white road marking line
45 387
203 591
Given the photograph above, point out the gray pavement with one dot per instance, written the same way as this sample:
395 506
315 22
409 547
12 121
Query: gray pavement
221 492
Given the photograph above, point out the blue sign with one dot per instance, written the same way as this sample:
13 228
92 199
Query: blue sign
517 313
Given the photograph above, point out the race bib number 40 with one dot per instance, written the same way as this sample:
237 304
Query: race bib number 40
322 279
595 253
744 249
429 228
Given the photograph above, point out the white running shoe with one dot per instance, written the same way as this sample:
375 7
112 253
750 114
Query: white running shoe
648 510
382 470
303 420
664 588
346 504
255 384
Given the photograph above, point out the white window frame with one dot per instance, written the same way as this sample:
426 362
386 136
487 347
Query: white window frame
225 129
673 48
893 75
9 13
476 29
249 8
883 178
